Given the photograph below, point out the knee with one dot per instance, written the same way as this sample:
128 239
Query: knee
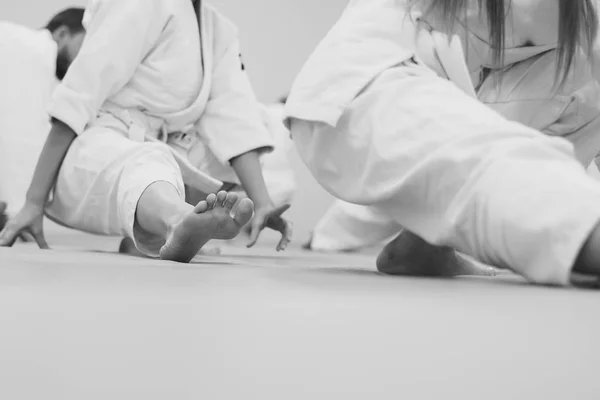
151 155
147 164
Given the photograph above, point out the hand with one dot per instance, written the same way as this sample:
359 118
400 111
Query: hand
270 217
25 237
28 221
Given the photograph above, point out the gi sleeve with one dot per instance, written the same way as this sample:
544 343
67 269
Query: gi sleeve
233 123
120 33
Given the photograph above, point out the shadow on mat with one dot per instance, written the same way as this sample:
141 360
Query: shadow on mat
288 265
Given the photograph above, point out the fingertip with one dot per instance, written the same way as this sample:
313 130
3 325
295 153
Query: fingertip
283 243
7 242
4 237
253 239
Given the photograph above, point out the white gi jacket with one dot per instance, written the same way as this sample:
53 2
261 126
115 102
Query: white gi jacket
374 35
220 110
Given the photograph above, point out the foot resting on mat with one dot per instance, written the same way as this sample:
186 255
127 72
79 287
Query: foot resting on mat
410 255
213 218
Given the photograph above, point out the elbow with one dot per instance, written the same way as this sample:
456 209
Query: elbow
62 132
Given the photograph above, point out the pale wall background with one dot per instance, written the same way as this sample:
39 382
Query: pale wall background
276 35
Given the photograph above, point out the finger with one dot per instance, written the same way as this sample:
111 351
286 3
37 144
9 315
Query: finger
26 237
286 236
38 235
255 231
277 224
8 237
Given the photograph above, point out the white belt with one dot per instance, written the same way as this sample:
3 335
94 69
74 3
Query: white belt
191 175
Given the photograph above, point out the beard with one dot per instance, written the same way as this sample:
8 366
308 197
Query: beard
63 62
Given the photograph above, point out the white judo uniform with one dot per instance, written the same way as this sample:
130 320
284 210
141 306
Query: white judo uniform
27 78
277 169
526 94
150 104
377 125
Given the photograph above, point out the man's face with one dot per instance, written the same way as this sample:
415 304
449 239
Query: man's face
68 46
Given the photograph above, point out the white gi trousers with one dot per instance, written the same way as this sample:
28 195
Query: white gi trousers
456 173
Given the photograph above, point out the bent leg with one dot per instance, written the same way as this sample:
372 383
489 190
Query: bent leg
464 177
527 94
113 186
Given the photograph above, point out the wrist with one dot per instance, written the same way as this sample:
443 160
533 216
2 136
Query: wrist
262 204
35 199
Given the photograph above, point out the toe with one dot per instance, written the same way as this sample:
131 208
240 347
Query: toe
221 197
211 199
232 198
201 207
244 211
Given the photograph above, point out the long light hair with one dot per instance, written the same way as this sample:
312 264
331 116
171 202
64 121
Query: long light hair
578 26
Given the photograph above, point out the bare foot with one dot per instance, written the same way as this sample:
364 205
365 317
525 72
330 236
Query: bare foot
586 271
410 255
213 218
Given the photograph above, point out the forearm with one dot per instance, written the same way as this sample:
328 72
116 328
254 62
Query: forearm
57 144
248 169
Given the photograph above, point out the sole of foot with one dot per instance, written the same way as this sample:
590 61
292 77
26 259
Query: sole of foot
213 218
410 255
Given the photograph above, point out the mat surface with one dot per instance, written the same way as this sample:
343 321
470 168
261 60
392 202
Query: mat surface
80 322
